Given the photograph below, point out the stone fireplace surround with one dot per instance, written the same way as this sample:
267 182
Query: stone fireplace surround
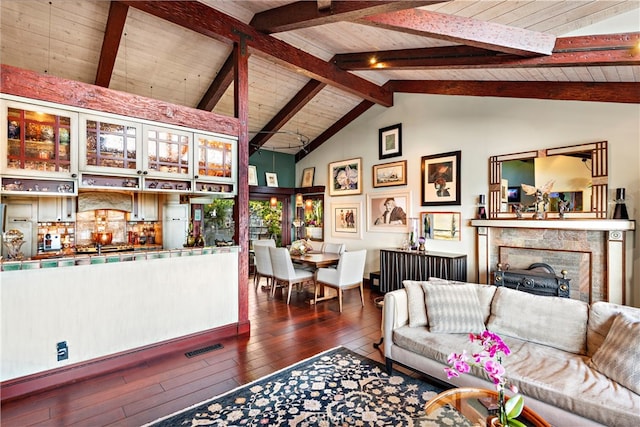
597 253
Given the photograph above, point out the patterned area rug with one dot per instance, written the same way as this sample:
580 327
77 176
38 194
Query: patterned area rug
334 388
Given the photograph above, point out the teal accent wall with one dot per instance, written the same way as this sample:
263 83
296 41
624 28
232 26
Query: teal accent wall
282 164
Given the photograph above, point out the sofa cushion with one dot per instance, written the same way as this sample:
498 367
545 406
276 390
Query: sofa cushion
553 321
601 315
618 356
485 294
415 301
453 308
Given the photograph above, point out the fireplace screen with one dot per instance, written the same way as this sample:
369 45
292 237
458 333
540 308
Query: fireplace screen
538 279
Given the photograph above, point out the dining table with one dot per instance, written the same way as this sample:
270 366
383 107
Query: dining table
318 260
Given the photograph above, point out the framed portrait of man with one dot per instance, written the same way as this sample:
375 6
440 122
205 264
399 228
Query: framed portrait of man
389 212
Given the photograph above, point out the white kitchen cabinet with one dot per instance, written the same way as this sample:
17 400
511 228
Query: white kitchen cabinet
145 207
37 140
110 145
56 209
215 157
167 152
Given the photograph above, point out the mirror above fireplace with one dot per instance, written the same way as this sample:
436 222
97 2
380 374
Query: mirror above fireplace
579 172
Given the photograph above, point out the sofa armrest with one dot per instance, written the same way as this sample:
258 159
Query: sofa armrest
395 314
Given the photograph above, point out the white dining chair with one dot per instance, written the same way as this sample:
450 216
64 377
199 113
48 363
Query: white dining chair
334 248
285 273
347 275
262 261
316 245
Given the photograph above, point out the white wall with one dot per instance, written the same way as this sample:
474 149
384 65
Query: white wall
480 127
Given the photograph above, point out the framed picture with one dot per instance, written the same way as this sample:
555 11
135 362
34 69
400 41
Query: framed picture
272 179
441 179
307 177
504 190
390 174
346 220
253 175
345 177
390 141
440 225
388 212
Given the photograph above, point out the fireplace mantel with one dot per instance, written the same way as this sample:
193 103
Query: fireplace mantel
606 242
559 224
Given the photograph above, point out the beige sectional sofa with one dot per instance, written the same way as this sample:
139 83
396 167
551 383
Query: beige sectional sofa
576 364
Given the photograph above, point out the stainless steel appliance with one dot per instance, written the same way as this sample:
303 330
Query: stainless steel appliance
52 242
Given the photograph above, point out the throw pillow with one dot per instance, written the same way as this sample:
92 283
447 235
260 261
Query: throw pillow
453 308
552 321
415 300
618 356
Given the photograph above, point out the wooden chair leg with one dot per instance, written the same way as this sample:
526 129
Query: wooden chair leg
315 293
361 294
340 298
289 293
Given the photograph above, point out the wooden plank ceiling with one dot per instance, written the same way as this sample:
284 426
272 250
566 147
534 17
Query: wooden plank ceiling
314 66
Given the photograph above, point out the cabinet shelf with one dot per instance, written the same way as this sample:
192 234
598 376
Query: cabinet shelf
38 187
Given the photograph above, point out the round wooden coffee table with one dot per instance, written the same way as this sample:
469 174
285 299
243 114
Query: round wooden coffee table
468 402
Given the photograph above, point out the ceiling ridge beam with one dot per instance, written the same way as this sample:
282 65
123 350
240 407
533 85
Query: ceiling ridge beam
610 49
305 14
111 42
468 31
299 100
356 112
624 92
210 22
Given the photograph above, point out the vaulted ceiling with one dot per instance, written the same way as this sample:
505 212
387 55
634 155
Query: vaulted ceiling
314 66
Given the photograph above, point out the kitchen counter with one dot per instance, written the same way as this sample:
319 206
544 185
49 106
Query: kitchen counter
139 252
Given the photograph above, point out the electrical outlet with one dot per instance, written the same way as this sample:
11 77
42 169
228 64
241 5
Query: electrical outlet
62 350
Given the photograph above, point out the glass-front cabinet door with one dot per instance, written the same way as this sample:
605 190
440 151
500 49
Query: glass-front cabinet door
216 163
110 145
167 152
40 141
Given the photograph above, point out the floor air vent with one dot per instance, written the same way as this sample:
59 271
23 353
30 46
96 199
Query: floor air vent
203 350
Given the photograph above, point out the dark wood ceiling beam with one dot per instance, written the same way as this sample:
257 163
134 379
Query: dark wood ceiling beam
111 42
306 94
218 86
205 20
305 14
566 91
335 128
610 49
468 31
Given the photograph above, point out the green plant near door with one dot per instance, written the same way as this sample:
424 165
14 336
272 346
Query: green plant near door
271 218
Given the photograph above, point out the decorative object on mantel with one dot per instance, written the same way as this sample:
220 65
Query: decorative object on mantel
482 211
518 210
490 359
620 211
542 197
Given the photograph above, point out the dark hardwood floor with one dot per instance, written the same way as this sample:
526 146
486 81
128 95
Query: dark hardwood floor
281 334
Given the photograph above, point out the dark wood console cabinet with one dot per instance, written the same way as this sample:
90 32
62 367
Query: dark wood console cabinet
397 265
